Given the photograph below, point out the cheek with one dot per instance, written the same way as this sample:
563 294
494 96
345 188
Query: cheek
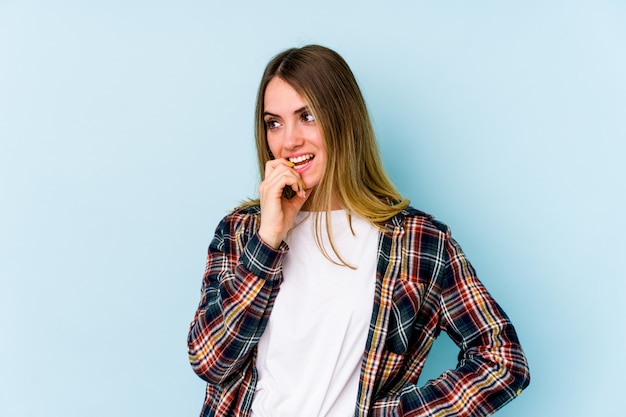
321 146
273 145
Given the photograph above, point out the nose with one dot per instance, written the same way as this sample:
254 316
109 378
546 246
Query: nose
293 137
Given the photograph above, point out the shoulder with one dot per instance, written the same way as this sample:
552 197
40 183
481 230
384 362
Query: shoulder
240 219
247 210
413 219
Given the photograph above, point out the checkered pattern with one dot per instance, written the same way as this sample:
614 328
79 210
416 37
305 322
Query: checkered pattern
424 285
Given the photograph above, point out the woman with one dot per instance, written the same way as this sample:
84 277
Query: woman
323 297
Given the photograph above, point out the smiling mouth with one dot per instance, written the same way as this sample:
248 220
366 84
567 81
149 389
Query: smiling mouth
302 160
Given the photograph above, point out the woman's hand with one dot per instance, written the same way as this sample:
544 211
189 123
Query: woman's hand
278 213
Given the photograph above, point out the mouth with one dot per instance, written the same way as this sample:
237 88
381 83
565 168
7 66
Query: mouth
301 161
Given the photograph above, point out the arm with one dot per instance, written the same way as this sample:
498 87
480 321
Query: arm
240 283
492 368
243 274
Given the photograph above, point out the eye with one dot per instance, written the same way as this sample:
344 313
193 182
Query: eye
307 117
271 124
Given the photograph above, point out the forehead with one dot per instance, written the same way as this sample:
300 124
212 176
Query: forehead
280 96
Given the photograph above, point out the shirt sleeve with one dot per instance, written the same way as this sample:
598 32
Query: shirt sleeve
240 283
492 369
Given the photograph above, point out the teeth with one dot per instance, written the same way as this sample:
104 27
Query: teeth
301 158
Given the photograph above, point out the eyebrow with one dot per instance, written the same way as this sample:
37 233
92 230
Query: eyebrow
300 110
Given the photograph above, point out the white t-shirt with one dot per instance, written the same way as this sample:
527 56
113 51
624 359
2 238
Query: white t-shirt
310 355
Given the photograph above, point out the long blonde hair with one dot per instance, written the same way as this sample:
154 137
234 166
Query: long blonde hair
354 173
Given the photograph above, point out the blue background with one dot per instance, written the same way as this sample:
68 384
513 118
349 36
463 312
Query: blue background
126 134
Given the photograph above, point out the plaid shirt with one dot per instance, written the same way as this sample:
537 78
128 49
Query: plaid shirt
424 285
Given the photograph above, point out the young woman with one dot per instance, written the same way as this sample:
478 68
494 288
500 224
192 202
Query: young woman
324 296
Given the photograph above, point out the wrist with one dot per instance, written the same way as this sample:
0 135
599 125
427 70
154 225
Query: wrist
270 240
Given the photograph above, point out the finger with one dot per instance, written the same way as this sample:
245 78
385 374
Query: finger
273 164
276 182
282 175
